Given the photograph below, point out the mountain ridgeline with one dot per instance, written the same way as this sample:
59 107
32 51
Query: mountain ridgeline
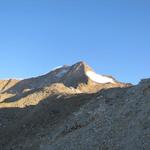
70 76
74 108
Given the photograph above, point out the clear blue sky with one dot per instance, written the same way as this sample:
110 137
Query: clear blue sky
112 36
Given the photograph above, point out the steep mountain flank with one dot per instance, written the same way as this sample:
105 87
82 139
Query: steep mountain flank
6 84
115 118
71 76
74 108
75 79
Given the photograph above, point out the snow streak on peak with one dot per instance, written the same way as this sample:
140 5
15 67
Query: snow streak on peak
99 78
60 67
62 72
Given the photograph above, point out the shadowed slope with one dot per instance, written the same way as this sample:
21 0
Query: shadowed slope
111 119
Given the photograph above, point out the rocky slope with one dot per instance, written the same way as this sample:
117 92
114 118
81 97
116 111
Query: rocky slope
63 114
78 78
71 76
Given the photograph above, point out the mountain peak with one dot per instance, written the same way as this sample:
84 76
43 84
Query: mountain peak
76 76
81 63
89 72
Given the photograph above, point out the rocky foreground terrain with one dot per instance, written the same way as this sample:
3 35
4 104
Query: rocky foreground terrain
73 108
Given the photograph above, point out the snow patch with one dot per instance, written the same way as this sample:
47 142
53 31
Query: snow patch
61 73
99 78
58 67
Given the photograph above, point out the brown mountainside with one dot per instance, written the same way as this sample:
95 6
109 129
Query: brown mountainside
70 109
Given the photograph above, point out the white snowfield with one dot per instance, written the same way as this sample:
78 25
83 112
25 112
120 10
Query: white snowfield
99 78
